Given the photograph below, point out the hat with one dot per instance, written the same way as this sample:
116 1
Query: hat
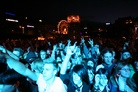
31 56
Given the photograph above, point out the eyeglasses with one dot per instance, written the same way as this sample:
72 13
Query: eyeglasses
126 69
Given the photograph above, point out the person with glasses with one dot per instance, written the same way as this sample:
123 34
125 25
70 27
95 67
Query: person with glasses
121 81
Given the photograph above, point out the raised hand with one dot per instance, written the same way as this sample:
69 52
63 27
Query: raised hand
2 49
68 42
96 48
121 83
82 40
90 41
71 49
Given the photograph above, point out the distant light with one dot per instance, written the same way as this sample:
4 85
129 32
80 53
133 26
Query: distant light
40 20
85 27
12 20
25 17
41 38
8 13
130 22
124 37
108 23
30 26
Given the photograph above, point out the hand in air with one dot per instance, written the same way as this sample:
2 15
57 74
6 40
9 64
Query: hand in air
71 49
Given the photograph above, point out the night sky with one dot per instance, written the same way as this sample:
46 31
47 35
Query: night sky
92 10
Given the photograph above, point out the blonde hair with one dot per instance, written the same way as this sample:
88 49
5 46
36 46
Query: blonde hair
37 65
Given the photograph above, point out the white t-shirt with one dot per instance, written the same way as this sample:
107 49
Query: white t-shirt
57 86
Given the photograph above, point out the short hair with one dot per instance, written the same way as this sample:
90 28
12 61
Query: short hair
103 71
38 65
105 50
54 62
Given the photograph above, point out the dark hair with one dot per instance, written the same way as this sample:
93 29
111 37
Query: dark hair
11 77
103 71
105 50
82 72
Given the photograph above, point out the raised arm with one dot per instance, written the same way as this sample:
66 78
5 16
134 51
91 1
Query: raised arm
69 51
84 47
17 65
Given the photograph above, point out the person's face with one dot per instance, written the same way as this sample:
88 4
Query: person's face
90 63
76 79
7 88
103 80
126 55
108 58
79 60
42 55
49 71
125 72
78 51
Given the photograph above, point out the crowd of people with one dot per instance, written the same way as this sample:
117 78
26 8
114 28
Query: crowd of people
66 65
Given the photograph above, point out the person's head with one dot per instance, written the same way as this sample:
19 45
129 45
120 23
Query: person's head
31 56
18 52
37 65
103 76
136 64
122 69
43 54
107 56
90 62
125 54
50 70
79 59
10 81
80 75
59 60
78 51
90 74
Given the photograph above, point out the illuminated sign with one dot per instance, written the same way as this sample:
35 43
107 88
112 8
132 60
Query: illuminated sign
108 23
73 18
8 13
12 20
30 26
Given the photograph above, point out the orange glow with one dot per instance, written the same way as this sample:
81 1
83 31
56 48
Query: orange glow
73 18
